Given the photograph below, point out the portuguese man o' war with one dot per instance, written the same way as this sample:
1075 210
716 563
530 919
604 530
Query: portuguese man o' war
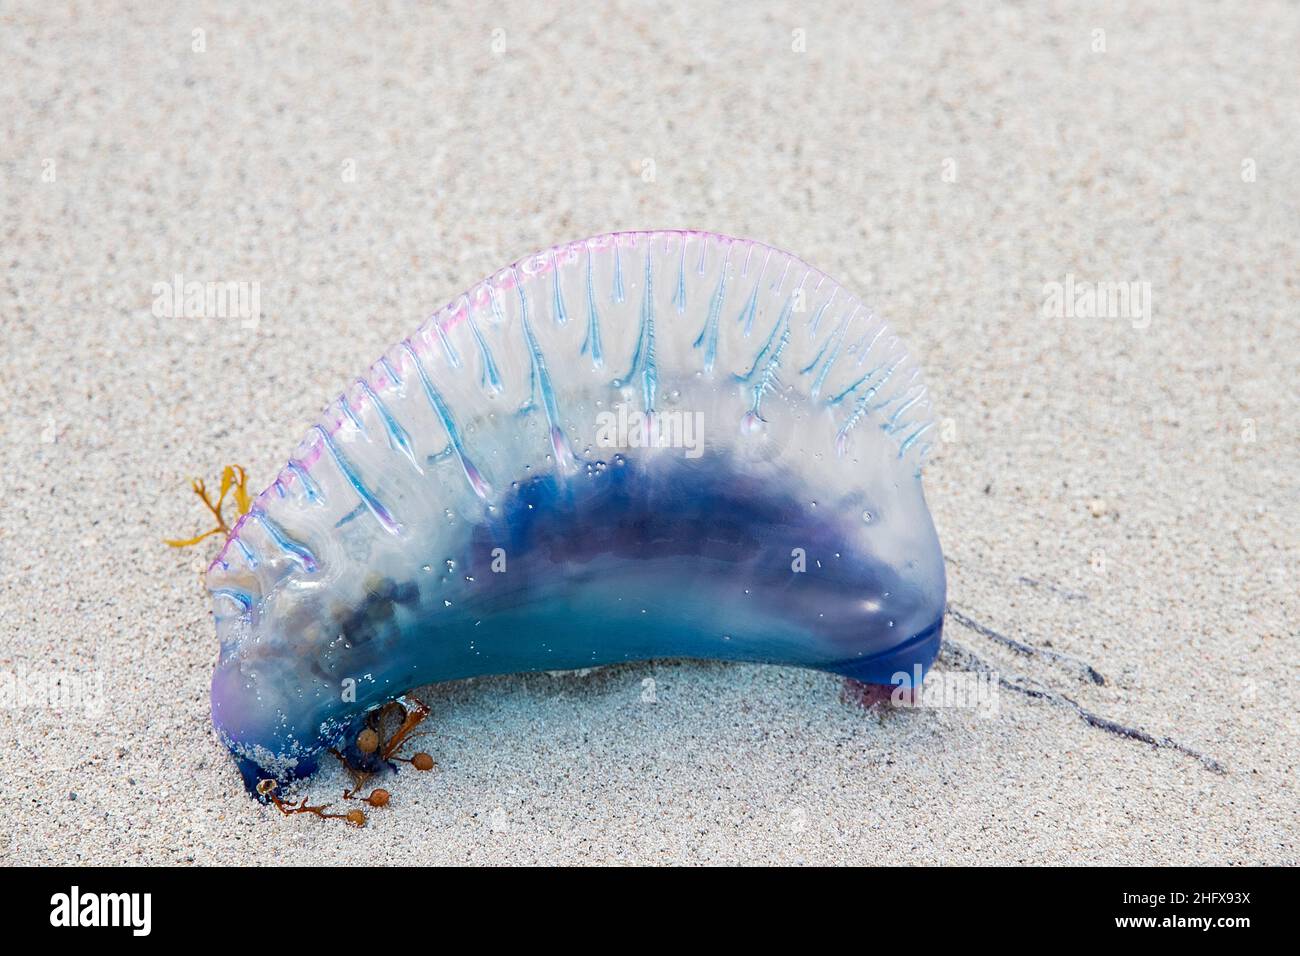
636 446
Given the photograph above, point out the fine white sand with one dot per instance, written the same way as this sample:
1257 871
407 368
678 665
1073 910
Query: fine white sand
1121 491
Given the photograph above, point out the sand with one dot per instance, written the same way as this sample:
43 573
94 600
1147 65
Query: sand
1118 489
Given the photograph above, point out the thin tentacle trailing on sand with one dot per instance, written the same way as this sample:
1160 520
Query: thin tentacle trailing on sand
640 445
